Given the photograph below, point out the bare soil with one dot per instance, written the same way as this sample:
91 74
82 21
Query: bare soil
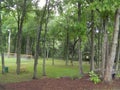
63 83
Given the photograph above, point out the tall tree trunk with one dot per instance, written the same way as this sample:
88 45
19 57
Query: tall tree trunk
79 40
53 52
67 47
104 46
117 54
92 42
111 57
19 38
45 34
1 43
38 43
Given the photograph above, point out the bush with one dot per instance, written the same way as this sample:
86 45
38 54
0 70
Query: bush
94 77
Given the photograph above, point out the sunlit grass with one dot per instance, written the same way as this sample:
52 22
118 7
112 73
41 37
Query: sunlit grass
56 71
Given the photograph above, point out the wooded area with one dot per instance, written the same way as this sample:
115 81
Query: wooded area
72 30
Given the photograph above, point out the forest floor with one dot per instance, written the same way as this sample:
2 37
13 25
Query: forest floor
63 83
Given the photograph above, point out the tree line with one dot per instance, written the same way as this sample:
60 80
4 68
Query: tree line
68 29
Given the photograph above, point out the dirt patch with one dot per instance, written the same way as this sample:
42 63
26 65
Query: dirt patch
2 87
63 84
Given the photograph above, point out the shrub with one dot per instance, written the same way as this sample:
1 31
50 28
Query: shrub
94 77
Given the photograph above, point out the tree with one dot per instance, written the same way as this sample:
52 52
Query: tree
111 57
20 20
1 42
38 41
45 34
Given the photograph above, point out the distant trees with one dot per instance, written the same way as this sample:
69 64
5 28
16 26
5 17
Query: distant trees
66 29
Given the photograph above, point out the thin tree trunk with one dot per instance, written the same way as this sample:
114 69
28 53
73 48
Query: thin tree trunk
79 41
20 25
67 47
80 56
92 43
3 63
99 49
73 47
111 57
44 44
38 44
53 52
1 42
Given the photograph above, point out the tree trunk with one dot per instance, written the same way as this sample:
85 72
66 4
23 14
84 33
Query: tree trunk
92 43
1 43
38 43
104 47
3 63
80 56
53 52
79 40
111 57
19 38
44 44
67 47
117 54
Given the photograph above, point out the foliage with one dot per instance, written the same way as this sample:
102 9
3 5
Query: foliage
94 77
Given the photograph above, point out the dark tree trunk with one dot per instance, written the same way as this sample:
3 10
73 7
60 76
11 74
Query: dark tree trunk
53 52
1 42
19 38
92 42
67 47
79 41
73 50
3 63
38 43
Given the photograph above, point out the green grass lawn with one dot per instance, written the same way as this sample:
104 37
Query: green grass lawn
56 71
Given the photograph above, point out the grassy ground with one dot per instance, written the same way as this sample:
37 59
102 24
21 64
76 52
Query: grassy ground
56 71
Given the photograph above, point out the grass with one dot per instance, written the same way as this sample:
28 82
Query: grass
56 71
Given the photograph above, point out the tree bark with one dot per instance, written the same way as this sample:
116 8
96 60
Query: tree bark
80 57
111 57
37 43
19 38
117 54
104 47
44 43
53 52
67 47
92 42
1 43
79 41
